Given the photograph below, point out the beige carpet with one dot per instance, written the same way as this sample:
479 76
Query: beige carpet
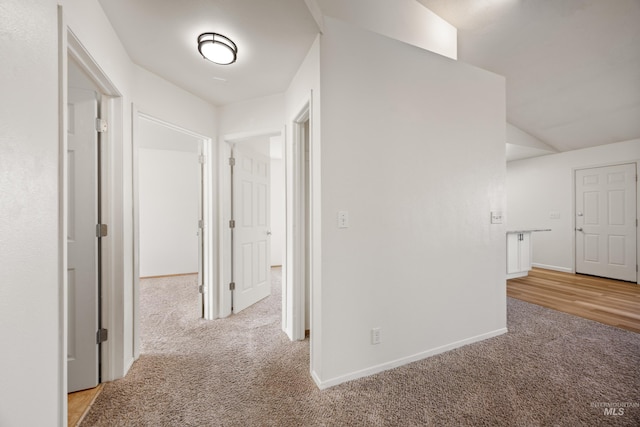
551 369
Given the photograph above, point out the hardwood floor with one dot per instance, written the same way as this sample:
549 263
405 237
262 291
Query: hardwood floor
606 301
79 402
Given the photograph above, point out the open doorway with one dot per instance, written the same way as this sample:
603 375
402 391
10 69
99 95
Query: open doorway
83 160
297 304
91 119
172 209
253 190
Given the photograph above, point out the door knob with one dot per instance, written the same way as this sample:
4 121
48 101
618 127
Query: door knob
579 229
268 233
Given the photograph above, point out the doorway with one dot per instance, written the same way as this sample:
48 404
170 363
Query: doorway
298 320
173 209
79 68
248 238
84 230
605 221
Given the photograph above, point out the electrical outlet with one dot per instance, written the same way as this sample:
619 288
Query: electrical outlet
554 215
375 336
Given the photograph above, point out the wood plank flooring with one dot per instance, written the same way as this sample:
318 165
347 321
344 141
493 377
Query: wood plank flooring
79 402
606 301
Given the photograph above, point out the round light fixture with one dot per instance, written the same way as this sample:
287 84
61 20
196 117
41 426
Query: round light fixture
217 48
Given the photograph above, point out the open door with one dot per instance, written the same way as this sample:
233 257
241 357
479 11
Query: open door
606 222
82 239
250 232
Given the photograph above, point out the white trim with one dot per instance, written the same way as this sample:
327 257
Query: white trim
62 219
404 360
553 267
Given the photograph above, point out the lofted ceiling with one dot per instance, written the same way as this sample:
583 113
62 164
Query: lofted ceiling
273 37
572 67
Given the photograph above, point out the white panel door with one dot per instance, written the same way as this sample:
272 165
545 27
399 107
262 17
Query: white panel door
606 222
82 243
251 251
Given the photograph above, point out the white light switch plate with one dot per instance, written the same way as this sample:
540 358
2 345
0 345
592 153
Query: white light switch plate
496 217
343 219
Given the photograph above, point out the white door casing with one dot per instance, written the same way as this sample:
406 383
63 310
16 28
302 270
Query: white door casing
82 242
606 221
251 211
200 227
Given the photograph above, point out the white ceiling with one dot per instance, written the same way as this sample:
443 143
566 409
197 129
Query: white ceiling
572 66
273 37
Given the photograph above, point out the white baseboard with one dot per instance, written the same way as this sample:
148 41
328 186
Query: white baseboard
553 267
403 361
317 380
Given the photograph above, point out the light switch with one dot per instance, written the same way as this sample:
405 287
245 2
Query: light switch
496 217
343 219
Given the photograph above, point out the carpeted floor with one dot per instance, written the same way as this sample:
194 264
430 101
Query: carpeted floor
551 369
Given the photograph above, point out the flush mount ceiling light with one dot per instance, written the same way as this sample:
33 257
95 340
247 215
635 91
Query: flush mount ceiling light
217 48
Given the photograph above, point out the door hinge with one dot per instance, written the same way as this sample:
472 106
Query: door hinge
101 125
232 161
102 335
232 223
201 289
202 159
102 230
232 286
201 223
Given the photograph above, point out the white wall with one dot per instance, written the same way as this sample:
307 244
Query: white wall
255 115
30 270
168 183
163 100
413 148
538 186
405 20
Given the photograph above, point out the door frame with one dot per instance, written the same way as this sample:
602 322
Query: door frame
573 208
298 189
210 298
112 350
224 212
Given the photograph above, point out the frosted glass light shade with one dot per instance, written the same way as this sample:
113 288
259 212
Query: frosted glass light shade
217 48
